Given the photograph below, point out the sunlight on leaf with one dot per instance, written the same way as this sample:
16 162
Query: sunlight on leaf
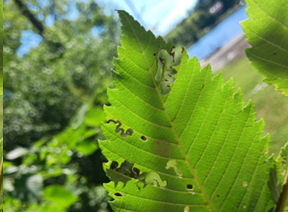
59 195
87 147
94 117
267 32
197 147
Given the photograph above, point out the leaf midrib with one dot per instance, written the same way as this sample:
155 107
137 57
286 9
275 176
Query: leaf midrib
171 123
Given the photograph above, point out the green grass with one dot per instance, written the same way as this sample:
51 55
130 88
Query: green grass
270 105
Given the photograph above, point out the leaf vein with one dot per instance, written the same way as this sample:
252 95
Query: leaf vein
231 158
146 103
122 104
270 15
245 157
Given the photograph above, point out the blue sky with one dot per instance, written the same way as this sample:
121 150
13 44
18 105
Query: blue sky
160 16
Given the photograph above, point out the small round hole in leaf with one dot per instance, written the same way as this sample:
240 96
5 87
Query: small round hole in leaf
143 138
189 186
118 195
113 165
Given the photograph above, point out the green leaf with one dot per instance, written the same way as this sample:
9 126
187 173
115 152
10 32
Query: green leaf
282 160
274 184
1 50
79 118
283 171
29 187
1 147
59 195
94 117
16 153
1 174
267 32
49 208
87 147
196 148
89 133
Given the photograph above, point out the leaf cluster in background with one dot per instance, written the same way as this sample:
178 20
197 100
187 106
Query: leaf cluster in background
67 73
56 172
44 88
1 107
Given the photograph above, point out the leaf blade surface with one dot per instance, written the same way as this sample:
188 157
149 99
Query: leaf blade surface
197 148
267 32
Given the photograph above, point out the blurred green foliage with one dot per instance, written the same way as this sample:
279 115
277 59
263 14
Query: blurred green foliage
58 75
1 107
53 97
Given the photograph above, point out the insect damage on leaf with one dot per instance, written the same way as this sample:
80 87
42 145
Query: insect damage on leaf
196 148
118 129
165 63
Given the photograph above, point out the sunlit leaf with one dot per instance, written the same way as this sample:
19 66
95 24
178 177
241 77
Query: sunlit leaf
267 32
193 147
87 147
16 153
59 195
94 117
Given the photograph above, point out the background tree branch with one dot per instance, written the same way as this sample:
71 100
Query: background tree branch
26 12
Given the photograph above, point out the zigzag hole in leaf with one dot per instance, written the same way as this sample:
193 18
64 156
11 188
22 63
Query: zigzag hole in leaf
144 138
189 187
129 132
118 194
186 209
111 121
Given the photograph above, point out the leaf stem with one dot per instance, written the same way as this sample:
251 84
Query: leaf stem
283 196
